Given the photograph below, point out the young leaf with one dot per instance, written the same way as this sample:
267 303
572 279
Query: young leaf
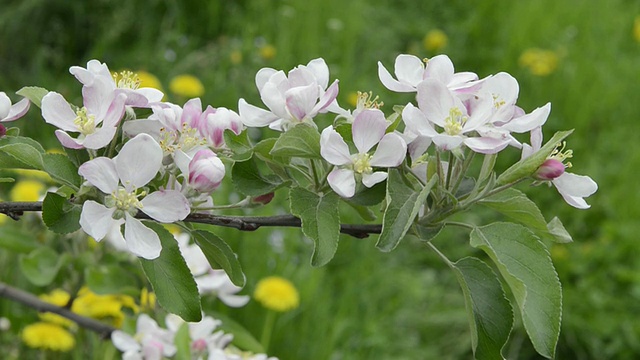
525 264
300 141
62 170
557 231
171 279
239 145
41 266
320 221
403 205
528 166
34 94
59 214
218 252
27 156
490 313
248 180
517 206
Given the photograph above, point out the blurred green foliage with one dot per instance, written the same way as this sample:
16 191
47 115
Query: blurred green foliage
364 304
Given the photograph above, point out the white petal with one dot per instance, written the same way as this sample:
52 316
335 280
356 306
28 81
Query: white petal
320 70
141 240
166 206
327 101
139 161
124 342
486 145
390 152
274 98
132 128
301 100
368 128
447 142
67 141
152 95
576 185
235 301
343 182
100 138
371 179
435 100
333 148
263 76
101 173
5 105
17 110
529 121
96 219
390 83
417 121
441 68
254 116
57 112
409 69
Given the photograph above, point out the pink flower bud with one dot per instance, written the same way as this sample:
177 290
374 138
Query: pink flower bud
219 121
206 171
549 170
3 130
199 346
263 199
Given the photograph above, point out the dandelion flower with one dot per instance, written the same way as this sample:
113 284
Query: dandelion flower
435 40
540 62
267 52
46 336
60 298
276 293
26 190
636 28
186 85
148 80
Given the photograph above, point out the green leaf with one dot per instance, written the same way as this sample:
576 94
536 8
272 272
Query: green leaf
557 231
426 233
17 240
403 205
239 145
109 279
77 156
301 140
528 166
62 169
320 221
59 214
525 264
247 179
34 94
41 266
171 279
370 196
26 156
182 341
6 140
490 313
6 180
219 253
13 131
242 338
517 206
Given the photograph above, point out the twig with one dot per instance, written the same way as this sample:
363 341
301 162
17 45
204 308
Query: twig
32 301
244 223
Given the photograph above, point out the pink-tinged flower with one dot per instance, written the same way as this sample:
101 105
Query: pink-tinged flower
150 342
291 99
122 180
97 121
203 335
216 122
369 128
437 105
9 112
573 188
411 71
100 83
206 171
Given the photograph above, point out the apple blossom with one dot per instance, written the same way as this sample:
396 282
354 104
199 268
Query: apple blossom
368 129
206 171
150 342
9 112
291 99
122 179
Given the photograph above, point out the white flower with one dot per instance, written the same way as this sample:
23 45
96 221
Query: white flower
368 129
121 179
149 343
13 112
203 338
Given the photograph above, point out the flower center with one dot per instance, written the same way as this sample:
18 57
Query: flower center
454 122
498 102
124 201
126 80
185 140
560 154
85 122
361 163
368 101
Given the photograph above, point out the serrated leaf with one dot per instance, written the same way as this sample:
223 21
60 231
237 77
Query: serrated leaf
77 156
525 264
41 266
170 278
109 279
516 205
26 156
34 94
6 140
13 131
426 233
320 221
239 145
301 140
403 205
59 214
247 179
61 169
490 313
528 166
218 252
370 196
557 231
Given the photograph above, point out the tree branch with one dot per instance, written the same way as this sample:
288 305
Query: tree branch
244 223
34 302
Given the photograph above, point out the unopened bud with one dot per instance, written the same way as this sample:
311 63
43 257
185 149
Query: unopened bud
3 130
263 199
206 171
549 170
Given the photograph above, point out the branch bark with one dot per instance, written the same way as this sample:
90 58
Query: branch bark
243 223
34 302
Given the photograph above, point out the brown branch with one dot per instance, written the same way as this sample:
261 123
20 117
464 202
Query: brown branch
244 223
34 302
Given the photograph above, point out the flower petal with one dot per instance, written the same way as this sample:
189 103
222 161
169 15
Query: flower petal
57 112
67 141
263 75
141 240
486 145
417 121
371 179
124 342
254 116
529 121
320 70
17 110
333 148
440 67
368 128
327 100
409 69
100 138
235 301
101 173
96 219
447 142
139 161
166 206
343 182
390 83
390 152
301 100
435 100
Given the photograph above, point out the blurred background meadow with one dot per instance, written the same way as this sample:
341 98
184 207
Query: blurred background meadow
582 56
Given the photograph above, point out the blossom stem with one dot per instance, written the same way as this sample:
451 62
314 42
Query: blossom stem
267 329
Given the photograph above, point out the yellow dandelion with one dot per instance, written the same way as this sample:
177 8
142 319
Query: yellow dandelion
267 52
540 62
149 80
235 57
56 297
636 28
187 86
147 299
276 293
435 40
352 98
46 336
103 307
27 190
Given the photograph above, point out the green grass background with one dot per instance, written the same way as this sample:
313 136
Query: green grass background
365 304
